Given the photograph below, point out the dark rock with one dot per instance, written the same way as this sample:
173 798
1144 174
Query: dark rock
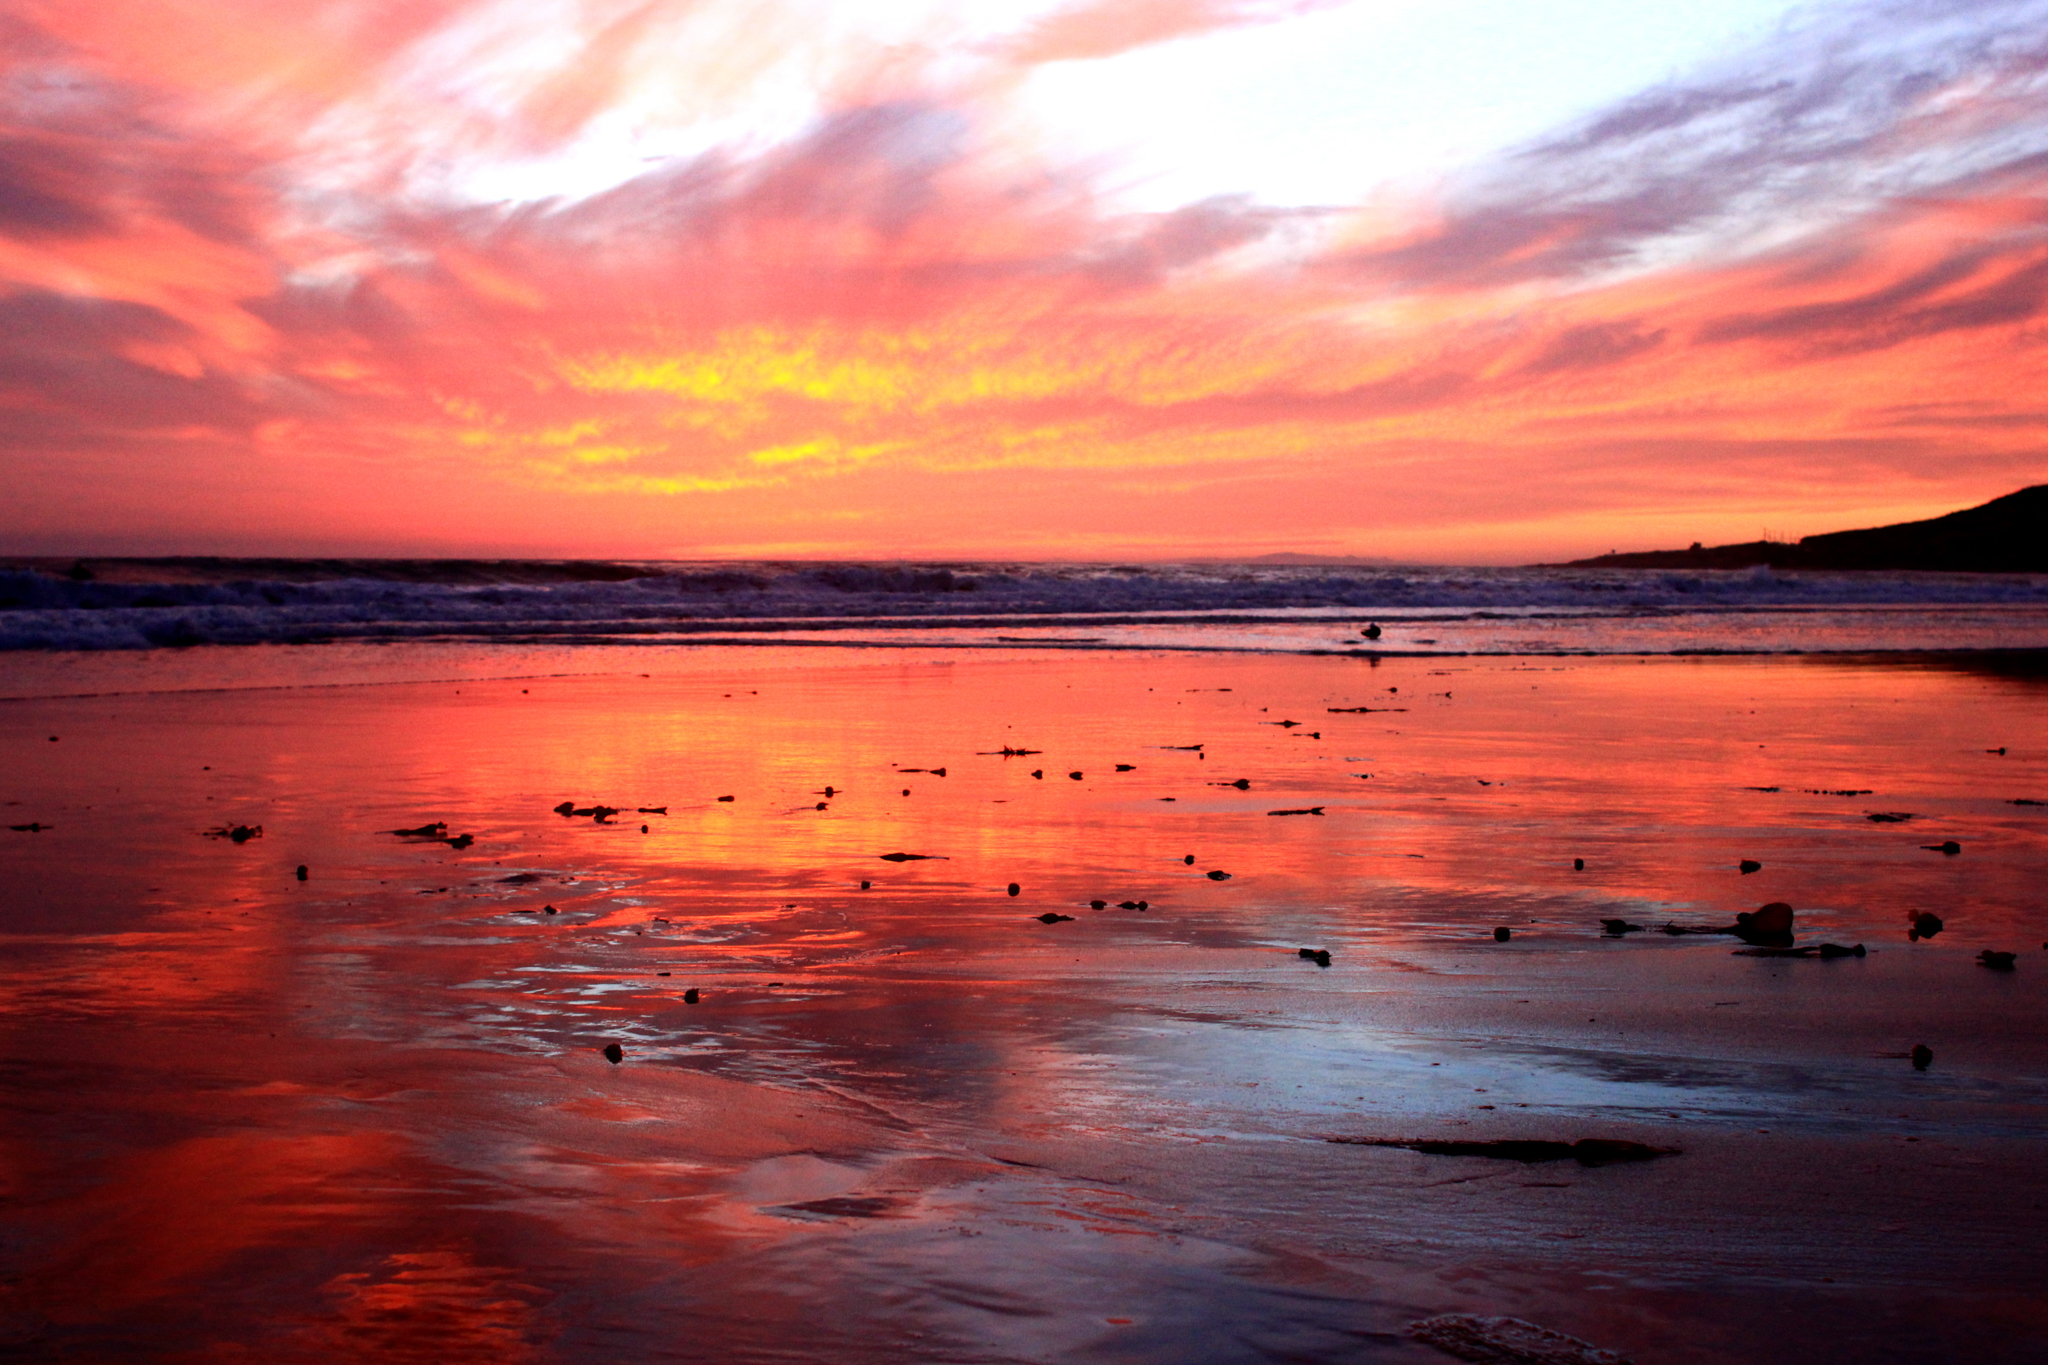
1766 926
1502 934
549 910
865 885
690 996
1218 876
436 830
912 857
1075 776
1098 905
1749 865
725 798
1925 924
1126 767
32 827
240 834
1997 961
300 872
1578 864
1189 860
1923 1056
460 841
1371 631
566 809
1947 847
1304 810
1015 889
520 878
663 810
1888 817
614 1054
1243 784
1038 774
1618 927
1050 918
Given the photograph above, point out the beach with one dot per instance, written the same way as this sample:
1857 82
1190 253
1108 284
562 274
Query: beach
908 1116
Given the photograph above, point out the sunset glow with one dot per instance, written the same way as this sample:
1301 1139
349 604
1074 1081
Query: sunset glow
1463 282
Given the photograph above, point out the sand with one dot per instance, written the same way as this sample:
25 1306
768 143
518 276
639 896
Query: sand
367 1114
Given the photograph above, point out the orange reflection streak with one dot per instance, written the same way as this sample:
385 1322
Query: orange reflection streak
424 1306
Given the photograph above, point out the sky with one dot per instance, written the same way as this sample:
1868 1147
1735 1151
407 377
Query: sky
1471 281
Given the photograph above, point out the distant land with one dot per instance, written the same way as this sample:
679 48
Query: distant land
2005 535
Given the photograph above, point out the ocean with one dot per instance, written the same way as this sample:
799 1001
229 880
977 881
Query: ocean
154 605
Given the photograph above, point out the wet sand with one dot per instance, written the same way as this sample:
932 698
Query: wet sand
367 1114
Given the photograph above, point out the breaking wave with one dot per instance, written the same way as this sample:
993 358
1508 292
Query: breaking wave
172 603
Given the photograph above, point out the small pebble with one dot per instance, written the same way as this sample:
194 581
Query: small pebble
1578 864
1501 935
614 1054
1014 888
690 996
301 873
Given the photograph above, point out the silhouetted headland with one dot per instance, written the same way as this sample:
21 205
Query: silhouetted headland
2005 535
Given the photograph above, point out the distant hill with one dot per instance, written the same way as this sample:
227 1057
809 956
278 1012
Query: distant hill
2005 535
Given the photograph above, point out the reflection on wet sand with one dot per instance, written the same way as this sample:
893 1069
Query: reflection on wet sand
367 1114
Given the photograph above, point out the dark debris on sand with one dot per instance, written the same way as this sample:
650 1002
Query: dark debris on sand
1507 1341
1586 1151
